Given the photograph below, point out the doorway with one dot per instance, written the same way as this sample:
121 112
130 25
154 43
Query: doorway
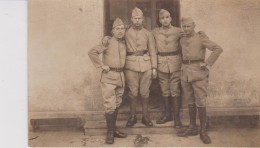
150 8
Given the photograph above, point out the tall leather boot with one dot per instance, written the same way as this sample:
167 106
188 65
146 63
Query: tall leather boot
132 119
145 119
167 116
176 109
203 121
192 130
110 128
117 133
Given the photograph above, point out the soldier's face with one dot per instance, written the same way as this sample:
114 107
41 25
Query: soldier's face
137 20
165 20
188 28
119 31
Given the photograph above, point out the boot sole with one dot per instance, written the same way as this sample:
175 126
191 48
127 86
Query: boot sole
129 126
159 122
206 141
147 125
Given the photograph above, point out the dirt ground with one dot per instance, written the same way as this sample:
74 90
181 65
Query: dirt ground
223 134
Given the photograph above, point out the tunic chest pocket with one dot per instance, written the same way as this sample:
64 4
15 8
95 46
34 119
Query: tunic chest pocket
131 58
146 58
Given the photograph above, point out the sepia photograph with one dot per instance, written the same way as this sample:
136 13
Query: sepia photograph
143 73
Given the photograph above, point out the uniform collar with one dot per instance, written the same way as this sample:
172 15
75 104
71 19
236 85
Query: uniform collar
192 34
137 28
119 40
168 27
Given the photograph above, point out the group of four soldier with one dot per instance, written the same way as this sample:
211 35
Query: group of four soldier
176 56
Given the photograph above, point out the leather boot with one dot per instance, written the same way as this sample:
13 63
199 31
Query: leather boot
192 130
145 119
176 109
132 120
110 128
117 133
167 116
203 121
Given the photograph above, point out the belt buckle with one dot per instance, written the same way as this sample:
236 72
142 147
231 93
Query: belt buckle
138 53
189 62
119 69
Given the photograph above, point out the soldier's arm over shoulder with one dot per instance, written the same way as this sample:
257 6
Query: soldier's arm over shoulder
154 31
105 40
152 50
215 48
94 55
181 32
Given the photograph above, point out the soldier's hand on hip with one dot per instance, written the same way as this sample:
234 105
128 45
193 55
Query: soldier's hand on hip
154 74
105 68
203 66
105 40
208 67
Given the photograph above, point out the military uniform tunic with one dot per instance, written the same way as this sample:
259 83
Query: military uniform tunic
138 67
112 82
194 79
169 66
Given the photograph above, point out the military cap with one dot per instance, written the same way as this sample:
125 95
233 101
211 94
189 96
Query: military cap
136 11
163 11
186 20
117 22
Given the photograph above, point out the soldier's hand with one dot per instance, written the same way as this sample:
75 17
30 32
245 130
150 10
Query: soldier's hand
203 34
208 67
204 66
182 34
105 68
154 74
105 40
127 27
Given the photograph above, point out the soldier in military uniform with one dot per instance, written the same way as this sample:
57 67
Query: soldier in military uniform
112 77
169 66
194 75
141 64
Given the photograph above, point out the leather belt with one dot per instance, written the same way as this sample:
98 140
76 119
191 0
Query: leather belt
168 53
188 62
137 53
116 69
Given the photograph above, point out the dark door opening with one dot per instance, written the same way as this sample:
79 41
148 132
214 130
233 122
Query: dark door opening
150 8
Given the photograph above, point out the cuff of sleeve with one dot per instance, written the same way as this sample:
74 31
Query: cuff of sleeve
208 67
208 63
99 66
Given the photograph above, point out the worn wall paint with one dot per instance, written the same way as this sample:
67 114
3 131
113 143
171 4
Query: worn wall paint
61 76
233 24
61 32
